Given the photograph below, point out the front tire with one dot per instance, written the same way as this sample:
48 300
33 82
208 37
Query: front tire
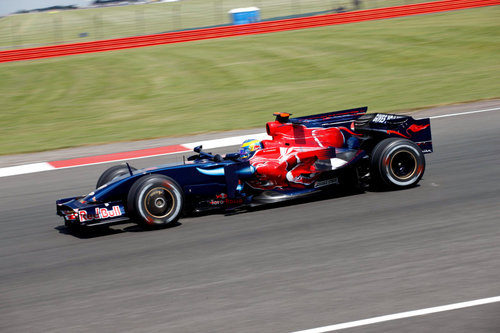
396 163
112 173
155 201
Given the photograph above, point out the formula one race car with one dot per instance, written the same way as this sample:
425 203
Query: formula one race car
306 155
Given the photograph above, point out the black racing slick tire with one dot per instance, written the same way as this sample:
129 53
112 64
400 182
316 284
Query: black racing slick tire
112 173
155 201
396 163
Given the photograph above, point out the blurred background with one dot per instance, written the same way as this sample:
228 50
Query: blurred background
392 65
103 19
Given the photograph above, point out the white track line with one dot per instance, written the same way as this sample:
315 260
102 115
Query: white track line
26 168
464 113
401 315
209 144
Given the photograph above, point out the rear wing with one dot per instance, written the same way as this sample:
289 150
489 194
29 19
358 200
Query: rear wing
331 119
395 125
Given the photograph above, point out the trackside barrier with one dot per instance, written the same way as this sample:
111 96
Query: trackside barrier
241 30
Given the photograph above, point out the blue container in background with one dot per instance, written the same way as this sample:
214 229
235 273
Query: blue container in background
245 15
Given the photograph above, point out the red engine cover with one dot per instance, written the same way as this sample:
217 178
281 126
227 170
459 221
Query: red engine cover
288 134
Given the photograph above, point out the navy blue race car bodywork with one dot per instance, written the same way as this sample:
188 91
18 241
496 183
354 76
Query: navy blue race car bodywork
107 204
373 148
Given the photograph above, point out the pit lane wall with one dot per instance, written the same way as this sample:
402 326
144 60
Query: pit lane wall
241 30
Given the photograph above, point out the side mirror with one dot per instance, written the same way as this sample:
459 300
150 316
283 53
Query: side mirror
197 149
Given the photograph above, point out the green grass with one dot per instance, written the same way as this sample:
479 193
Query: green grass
232 83
111 22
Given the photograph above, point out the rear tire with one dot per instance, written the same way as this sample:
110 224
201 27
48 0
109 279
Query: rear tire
112 173
396 163
155 201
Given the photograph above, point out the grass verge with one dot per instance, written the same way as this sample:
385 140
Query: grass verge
238 82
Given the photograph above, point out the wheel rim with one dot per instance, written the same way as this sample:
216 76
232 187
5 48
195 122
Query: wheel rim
403 165
159 202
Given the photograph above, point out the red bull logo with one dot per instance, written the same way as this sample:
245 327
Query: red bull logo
100 213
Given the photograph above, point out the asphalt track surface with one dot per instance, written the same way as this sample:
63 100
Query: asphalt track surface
280 269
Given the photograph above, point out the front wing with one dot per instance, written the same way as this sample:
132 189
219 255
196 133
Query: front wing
76 212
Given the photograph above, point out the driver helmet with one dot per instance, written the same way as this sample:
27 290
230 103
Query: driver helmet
249 147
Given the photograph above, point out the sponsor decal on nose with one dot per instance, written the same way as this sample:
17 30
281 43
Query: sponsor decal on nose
100 213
